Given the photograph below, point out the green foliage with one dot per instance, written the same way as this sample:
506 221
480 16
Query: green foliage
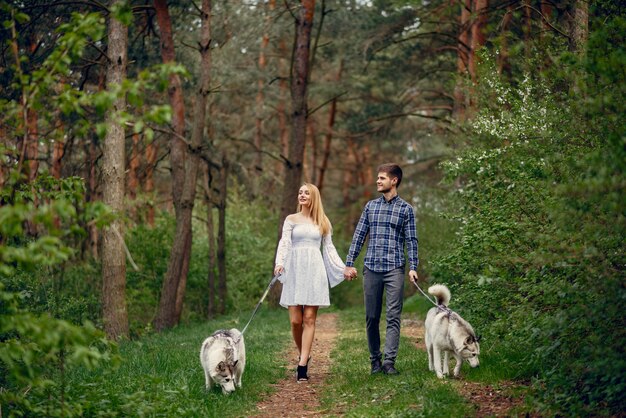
36 349
538 260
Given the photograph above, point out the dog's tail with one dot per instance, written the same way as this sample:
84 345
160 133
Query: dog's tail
441 292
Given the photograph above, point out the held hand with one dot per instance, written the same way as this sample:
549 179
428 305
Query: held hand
278 270
413 276
349 273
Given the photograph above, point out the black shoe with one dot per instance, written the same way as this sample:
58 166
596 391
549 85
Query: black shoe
302 374
376 367
389 369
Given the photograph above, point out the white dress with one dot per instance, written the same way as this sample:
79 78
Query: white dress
308 271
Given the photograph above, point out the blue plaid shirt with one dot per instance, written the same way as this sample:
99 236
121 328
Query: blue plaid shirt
389 225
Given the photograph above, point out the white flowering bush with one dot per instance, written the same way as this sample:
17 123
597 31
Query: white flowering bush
537 263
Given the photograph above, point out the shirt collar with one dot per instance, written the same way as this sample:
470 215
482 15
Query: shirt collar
393 199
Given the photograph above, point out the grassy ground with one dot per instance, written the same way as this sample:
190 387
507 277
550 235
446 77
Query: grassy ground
161 375
414 392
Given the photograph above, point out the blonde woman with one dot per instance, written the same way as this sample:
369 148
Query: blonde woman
306 271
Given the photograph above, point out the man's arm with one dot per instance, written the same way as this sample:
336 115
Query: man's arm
360 233
410 235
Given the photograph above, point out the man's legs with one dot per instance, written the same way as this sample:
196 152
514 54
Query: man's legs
394 289
373 295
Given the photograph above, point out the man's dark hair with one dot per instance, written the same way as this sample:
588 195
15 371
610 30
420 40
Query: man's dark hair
393 170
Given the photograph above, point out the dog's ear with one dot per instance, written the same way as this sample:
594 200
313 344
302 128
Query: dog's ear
235 363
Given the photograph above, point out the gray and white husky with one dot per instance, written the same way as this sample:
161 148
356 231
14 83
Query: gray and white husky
447 332
223 358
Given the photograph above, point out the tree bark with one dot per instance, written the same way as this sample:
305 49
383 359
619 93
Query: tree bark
282 107
260 97
148 187
115 316
208 199
462 61
478 35
579 27
197 135
133 168
221 237
32 147
504 63
329 134
299 83
176 270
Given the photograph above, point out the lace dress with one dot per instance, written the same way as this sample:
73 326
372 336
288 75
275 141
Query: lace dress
308 271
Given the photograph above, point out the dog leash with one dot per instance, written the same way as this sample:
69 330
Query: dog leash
269 286
442 308
422 292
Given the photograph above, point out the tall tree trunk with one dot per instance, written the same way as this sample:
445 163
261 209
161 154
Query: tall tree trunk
462 61
579 26
58 150
527 28
32 147
260 98
299 83
221 237
478 35
133 168
197 135
310 173
504 63
210 227
115 316
180 253
282 105
92 194
148 187
329 133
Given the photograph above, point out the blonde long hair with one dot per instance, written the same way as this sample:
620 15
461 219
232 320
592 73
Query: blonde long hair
317 209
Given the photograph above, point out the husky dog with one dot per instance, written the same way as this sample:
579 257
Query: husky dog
223 358
447 332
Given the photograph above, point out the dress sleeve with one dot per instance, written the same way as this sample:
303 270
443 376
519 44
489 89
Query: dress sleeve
284 245
332 262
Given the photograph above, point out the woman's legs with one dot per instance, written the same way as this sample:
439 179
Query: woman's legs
295 317
308 333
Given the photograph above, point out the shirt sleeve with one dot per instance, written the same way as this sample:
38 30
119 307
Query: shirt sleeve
332 262
284 245
360 233
410 234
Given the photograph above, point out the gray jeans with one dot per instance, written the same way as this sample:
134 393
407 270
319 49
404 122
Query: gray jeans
374 283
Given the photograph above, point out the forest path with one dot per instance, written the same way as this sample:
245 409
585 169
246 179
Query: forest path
488 401
293 399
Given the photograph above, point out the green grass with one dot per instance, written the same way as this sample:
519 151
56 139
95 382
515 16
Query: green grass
160 375
353 392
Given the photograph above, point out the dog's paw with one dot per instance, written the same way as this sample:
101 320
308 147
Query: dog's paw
440 375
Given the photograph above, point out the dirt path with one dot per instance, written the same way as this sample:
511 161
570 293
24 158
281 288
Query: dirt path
488 401
293 399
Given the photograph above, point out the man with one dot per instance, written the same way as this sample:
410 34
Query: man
390 223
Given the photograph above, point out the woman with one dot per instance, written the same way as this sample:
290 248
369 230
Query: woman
305 271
